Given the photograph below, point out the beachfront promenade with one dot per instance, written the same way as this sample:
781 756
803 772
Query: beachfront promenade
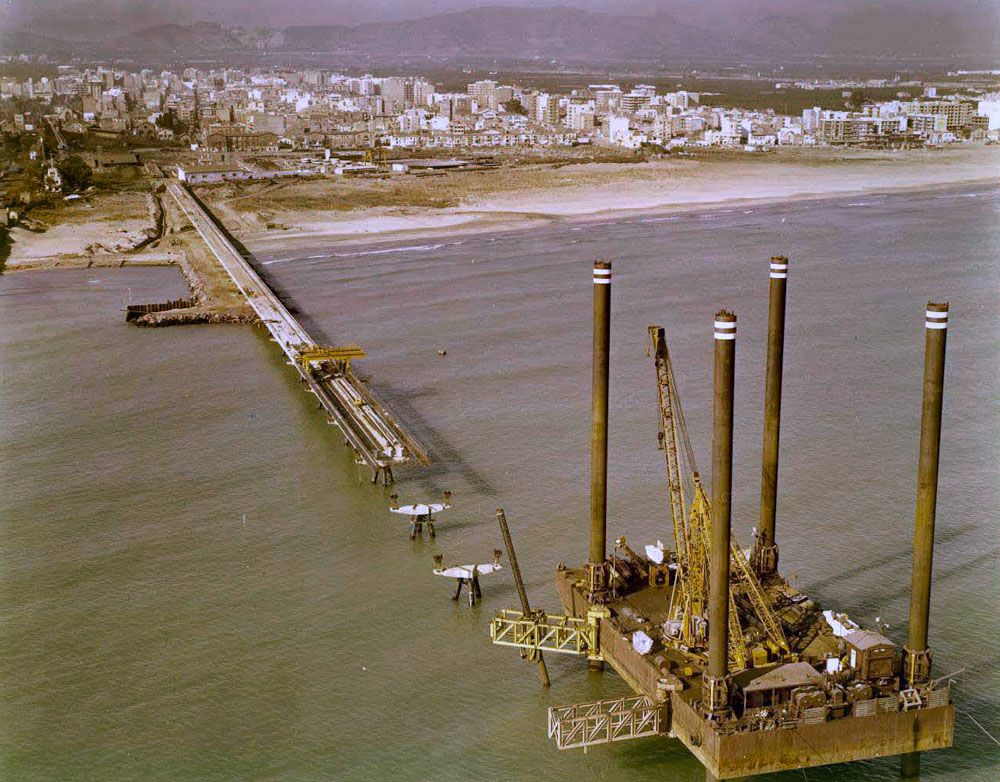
378 440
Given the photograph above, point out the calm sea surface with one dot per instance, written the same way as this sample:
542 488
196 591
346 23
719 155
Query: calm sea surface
197 584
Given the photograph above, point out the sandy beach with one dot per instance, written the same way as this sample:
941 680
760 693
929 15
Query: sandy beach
117 230
294 213
91 228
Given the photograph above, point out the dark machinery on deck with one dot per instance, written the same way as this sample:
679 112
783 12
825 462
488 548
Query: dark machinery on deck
722 652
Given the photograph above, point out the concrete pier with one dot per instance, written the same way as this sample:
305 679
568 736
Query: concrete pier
375 436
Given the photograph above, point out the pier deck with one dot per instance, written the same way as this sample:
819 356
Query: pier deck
378 440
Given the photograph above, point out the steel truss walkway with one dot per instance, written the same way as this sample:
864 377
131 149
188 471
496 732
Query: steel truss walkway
601 722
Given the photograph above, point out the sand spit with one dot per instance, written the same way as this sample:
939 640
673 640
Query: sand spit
528 196
137 228
131 229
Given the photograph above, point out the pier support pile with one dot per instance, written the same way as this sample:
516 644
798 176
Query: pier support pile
917 655
596 564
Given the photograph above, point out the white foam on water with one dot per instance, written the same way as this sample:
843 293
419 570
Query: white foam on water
296 258
410 248
950 196
360 253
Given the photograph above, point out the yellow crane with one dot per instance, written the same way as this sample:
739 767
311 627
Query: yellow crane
692 531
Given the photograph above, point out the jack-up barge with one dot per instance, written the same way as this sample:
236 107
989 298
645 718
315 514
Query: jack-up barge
723 653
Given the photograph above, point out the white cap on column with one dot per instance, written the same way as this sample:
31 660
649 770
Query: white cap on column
725 325
602 272
779 267
937 316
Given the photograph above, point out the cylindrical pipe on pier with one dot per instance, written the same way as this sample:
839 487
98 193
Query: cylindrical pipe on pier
766 550
917 662
599 413
722 478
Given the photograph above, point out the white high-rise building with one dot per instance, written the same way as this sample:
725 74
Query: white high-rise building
580 117
810 119
485 94
990 107
616 129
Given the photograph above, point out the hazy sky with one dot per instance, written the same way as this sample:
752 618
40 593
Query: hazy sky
280 13
80 17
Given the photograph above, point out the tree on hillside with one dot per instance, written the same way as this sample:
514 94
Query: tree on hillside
33 173
26 186
171 121
858 99
514 106
75 173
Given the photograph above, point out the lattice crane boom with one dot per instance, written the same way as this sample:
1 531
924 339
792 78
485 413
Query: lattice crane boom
751 588
669 443
692 529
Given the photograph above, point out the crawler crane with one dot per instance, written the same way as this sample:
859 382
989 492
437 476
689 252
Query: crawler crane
758 631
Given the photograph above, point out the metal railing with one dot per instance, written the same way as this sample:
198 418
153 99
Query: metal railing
565 634
602 722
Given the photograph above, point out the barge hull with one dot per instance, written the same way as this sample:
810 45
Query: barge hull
729 756
734 755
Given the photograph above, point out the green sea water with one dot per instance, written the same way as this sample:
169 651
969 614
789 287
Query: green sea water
197 583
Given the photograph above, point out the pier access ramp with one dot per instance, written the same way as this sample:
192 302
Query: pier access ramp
376 437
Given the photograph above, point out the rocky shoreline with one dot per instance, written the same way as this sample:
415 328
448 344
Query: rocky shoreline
190 316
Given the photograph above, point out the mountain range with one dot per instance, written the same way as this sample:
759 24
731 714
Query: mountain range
891 29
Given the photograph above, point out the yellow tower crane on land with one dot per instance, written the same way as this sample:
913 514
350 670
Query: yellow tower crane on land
692 524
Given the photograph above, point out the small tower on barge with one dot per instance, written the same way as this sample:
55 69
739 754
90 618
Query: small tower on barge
721 651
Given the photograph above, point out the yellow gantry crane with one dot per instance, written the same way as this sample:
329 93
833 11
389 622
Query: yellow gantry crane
339 356
692 532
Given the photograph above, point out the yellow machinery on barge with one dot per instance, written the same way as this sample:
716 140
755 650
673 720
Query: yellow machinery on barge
723 653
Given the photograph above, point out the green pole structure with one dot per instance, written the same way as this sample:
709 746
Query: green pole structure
722 481
766 548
